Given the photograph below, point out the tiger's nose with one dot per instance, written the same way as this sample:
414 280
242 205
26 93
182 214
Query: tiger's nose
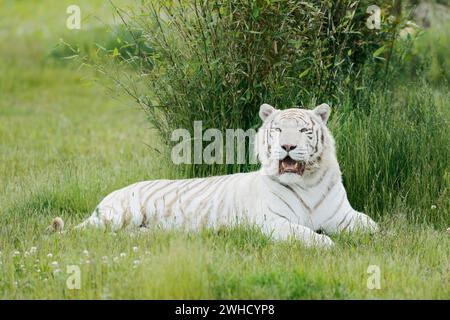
288 147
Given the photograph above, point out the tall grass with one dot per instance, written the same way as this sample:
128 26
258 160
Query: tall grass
394 151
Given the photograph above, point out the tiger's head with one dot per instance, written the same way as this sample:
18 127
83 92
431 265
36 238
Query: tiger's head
293 144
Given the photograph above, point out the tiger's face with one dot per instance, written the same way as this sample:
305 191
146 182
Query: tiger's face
291 142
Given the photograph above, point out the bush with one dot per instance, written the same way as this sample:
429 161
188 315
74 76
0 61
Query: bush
218 61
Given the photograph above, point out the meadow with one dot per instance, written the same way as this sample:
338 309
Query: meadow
66 141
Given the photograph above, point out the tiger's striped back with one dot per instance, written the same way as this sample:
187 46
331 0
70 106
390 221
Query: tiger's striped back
189 203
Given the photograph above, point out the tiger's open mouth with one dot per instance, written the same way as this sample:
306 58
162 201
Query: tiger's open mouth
289 165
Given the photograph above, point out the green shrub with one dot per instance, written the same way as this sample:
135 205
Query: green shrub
219 61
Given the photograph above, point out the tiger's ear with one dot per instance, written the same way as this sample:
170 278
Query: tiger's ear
323 111
265 111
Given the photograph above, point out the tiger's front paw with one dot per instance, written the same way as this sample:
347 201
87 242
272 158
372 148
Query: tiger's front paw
372 226
365 224
320 241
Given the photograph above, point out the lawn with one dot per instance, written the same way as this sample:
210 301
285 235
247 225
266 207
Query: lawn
66 142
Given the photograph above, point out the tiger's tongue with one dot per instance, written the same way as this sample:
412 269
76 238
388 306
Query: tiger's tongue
290 165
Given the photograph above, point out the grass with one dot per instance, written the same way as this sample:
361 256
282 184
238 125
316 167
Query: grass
229 264
66 143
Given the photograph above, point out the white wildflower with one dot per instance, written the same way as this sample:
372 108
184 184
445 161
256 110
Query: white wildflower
135 249
50 255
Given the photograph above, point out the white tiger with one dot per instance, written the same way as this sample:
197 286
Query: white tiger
297 190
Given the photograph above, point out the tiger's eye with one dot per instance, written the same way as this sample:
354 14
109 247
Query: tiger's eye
303 130
277 129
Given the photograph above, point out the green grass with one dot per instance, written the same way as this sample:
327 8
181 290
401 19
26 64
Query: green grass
66 143
238 263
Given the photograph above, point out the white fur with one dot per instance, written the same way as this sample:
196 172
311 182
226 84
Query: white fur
282 205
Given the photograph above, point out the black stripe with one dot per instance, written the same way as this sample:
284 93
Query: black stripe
168 206
346 226
345 217
320 179
316 148
147 200
330 186
275 213
335 211
287 204
299 198
192 197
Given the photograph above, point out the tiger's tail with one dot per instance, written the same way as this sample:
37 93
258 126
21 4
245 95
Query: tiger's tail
56 226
